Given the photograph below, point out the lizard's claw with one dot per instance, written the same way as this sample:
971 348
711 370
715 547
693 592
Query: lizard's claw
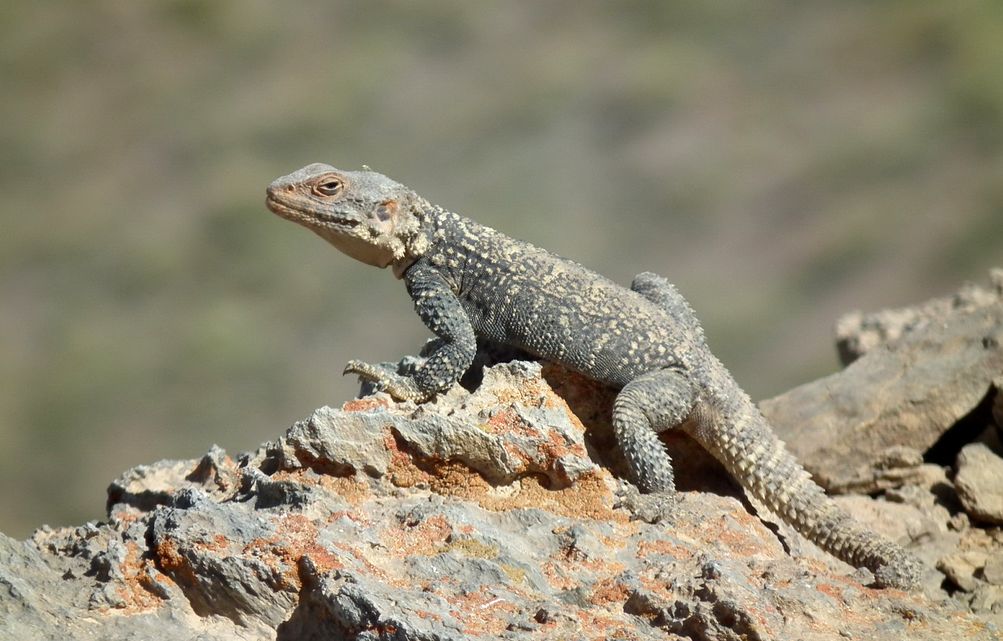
400 387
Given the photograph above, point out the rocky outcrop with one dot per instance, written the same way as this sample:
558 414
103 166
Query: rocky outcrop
487 514
920 386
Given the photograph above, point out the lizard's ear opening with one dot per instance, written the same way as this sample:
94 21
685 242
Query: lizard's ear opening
386 217
394 227
387 211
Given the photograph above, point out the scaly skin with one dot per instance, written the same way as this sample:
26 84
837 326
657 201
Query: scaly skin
470 281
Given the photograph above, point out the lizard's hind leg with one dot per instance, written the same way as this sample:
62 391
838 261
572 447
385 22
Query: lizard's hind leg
649 404
658 290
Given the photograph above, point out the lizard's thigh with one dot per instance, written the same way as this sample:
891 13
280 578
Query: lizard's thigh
658 290
649 404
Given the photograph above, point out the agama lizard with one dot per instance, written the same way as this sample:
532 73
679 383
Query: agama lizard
469 281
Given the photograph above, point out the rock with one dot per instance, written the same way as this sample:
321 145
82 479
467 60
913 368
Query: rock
979 481
988 598
962 567
479 516
858 333
146 486
473 429
863 429
993 570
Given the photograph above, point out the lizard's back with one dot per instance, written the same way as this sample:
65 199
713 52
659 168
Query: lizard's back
522 295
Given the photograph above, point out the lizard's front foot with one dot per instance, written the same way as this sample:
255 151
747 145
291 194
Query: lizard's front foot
400 387
657 507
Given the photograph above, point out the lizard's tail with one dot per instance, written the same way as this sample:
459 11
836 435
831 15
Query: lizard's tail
738 435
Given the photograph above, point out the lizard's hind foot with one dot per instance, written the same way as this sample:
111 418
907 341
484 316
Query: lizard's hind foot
657 507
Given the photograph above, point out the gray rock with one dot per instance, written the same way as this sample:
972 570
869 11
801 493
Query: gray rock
992 572
961 568
865 428
147 486
858 333
979 481
472 429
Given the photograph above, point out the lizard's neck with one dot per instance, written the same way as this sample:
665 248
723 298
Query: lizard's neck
431 225
446 240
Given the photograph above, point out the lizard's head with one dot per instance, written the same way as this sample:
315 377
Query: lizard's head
364 214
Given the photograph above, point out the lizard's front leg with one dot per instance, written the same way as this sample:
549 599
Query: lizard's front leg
441 311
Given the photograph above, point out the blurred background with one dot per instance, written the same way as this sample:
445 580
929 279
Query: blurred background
781 162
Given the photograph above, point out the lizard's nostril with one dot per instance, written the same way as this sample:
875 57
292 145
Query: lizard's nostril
276 189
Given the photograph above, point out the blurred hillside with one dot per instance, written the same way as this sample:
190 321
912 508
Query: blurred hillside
781 162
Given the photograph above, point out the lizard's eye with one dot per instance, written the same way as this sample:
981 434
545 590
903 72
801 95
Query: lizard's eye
329 187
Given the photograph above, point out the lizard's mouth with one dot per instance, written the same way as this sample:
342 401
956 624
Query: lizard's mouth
332 218
299 215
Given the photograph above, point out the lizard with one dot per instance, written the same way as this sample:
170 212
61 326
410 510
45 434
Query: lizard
469 281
